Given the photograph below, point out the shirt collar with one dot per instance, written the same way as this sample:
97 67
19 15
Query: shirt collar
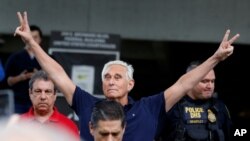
52 118
130 103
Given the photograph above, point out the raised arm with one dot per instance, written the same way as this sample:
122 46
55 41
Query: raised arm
187 81
50 66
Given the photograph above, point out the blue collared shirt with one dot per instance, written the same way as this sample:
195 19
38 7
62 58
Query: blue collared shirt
141 116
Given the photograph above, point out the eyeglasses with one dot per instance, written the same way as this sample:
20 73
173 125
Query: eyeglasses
39 92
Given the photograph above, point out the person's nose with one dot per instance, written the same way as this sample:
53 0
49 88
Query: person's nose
110 138
43 95
111 81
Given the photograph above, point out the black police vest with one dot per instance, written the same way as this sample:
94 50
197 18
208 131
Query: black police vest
198 122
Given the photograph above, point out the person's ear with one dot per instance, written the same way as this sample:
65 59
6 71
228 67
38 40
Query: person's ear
91 129
131 84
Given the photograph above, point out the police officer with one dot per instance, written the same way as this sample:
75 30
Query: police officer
199 116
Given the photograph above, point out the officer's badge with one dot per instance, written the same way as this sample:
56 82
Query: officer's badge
211 116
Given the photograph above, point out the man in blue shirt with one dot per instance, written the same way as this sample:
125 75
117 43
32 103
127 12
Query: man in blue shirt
117 81
19 68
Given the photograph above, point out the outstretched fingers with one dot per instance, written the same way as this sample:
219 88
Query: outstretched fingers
226 43
225 38
25 17
234 38
20 18
24 25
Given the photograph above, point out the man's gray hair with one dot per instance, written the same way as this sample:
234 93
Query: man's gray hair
130 69
39 75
